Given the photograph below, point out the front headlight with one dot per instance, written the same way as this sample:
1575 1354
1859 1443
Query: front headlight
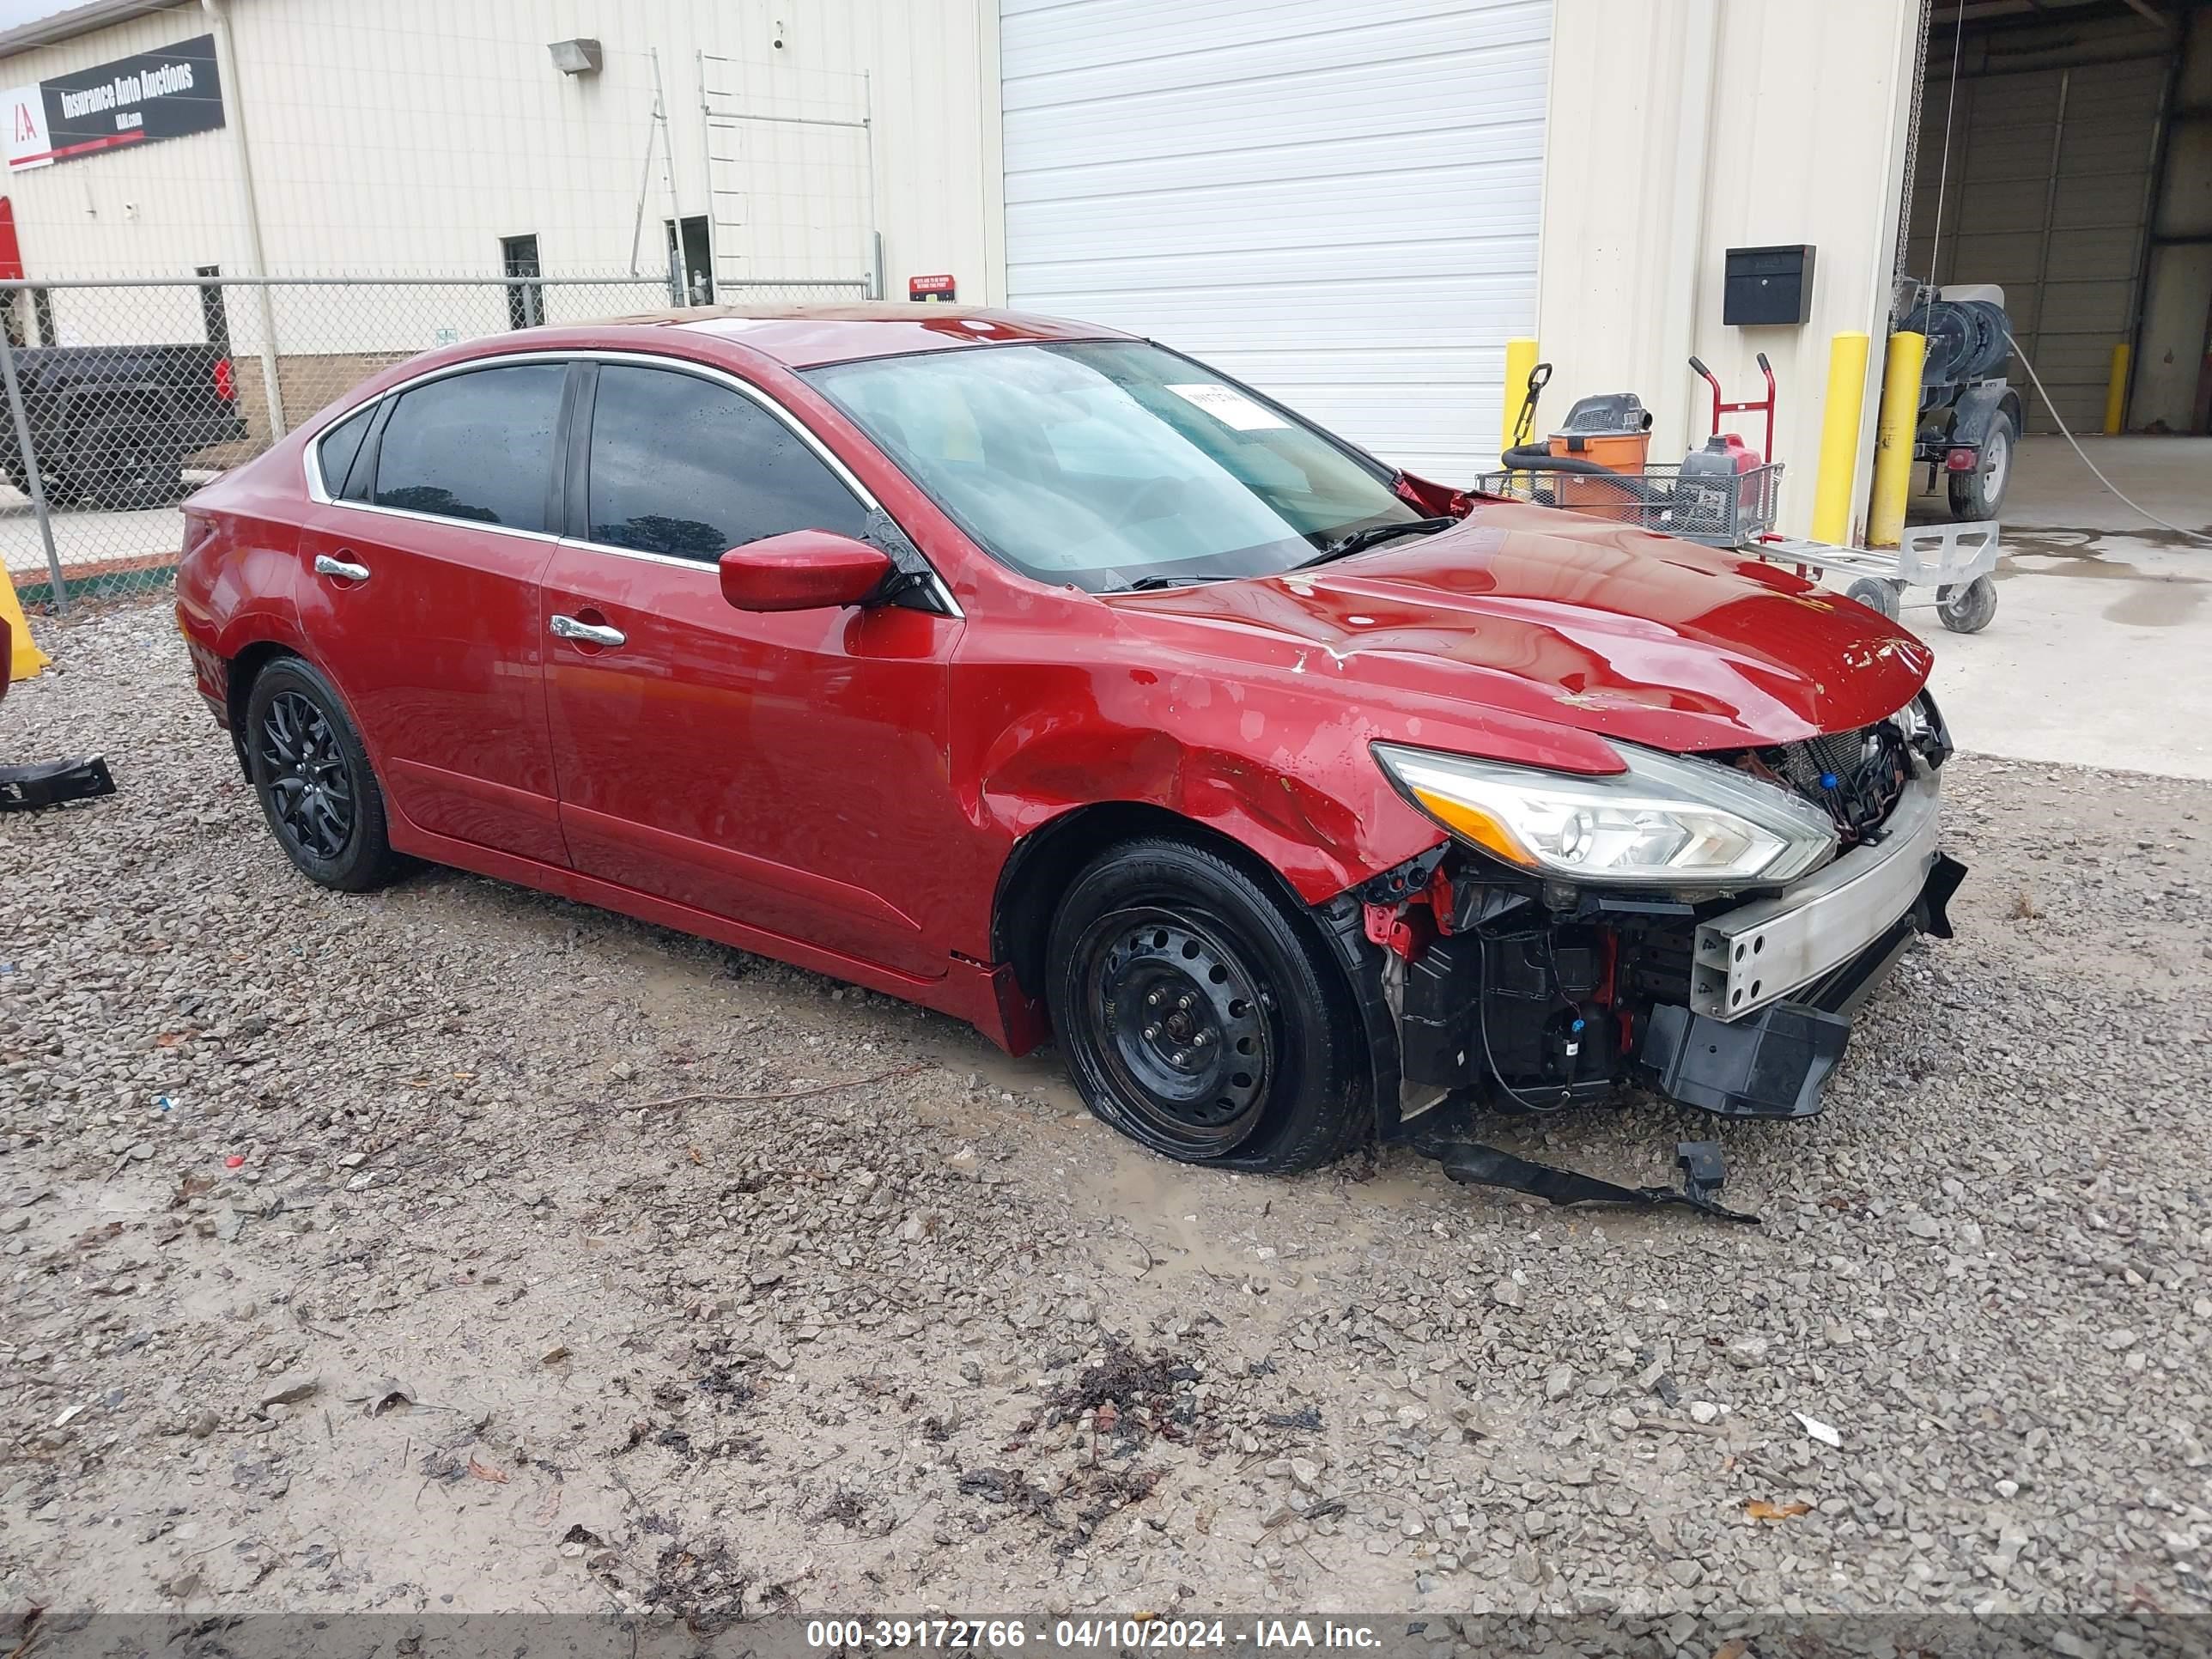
1667 821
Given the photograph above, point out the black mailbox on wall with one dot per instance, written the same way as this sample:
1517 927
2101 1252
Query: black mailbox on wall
1768 287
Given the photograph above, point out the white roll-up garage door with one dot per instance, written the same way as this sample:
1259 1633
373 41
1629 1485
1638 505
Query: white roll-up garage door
1335 200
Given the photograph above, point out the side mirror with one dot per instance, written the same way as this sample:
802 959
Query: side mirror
803 570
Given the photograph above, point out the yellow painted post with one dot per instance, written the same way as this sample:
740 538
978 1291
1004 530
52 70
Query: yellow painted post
1839 437
1894 429
1520 358
2115 393
24 659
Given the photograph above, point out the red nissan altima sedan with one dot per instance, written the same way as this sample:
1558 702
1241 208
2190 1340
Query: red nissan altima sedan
1044 675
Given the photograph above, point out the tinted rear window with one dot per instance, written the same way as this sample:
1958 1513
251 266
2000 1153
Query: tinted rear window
477 446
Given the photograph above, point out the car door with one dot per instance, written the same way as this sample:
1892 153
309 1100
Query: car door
787 770
420 595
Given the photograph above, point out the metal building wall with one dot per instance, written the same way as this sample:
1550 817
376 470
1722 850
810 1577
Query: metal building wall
411 135
1682 128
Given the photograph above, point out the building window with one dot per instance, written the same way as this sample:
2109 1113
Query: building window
213 314
525 301
690 261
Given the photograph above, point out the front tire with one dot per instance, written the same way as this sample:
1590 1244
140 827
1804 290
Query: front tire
1201 1016
312 773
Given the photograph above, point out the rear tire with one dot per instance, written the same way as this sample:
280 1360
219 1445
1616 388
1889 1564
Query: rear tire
312 775
1201 1016
128 463
1980 494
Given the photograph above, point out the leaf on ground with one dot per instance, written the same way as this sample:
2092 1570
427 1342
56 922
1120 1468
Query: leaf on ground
697 1156
485 1472
1759 1510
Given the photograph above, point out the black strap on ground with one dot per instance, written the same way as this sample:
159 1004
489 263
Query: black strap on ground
26 789
1473 1165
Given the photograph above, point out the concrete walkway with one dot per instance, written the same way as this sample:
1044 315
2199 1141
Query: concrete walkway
2101 654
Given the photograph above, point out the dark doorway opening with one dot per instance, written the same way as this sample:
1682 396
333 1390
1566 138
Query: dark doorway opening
690 261
525 301
214 314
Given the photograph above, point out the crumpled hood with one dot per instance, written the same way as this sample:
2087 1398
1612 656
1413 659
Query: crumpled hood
1566 618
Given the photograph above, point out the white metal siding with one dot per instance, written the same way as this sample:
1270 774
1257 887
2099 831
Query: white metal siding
1336 202
411 135
2049 190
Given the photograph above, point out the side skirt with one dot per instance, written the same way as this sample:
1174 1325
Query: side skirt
969 991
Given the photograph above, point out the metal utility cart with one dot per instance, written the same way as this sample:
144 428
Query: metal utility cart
1727 495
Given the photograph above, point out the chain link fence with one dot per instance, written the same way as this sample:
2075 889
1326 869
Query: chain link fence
125 395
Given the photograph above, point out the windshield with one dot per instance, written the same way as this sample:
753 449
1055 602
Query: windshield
1112 463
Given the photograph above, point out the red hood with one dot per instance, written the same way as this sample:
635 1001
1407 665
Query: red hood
1564 619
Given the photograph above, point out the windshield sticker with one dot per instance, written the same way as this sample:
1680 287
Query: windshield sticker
1229 407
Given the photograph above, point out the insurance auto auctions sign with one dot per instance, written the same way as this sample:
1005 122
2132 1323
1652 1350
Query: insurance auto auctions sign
139 100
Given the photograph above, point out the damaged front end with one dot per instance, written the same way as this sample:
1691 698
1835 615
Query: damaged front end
1496 979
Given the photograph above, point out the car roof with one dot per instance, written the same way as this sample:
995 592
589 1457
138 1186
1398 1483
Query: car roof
805 337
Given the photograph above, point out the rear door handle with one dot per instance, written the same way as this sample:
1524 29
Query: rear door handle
327 566
569 628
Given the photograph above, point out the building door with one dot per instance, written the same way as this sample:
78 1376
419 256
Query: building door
525 301
690 261
1335 200
215 315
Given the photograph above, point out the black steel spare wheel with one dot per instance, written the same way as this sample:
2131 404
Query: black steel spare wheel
1202 1012
1181 1024
310 792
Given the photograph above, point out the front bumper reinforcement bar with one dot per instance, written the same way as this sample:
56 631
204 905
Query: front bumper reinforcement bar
1473 1164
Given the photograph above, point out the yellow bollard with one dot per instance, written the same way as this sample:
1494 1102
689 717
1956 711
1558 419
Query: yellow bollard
24 659
1894 429
1520 358
2116 393
1839 438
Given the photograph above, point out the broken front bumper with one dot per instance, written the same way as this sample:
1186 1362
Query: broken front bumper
1774 983
27 789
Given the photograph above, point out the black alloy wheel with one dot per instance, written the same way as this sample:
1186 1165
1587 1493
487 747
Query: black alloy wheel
307 781
312 775
1202 1012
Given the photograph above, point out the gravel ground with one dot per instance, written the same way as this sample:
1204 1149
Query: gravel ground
570 1264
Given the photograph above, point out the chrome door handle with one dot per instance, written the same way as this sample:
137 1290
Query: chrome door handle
569 628
327 566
